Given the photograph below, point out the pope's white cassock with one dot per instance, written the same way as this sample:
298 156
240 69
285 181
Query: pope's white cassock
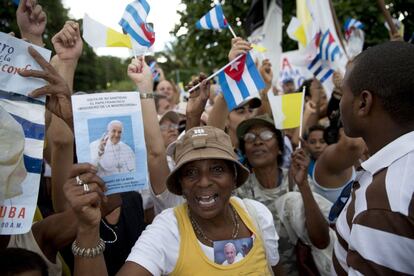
117 158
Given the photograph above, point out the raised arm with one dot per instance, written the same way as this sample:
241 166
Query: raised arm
197 102
316 224
267 74
334 167
140 74
68 46
31 20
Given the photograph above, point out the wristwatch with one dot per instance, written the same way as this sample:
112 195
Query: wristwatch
144 95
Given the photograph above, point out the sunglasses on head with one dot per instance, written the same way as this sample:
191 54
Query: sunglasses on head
265 135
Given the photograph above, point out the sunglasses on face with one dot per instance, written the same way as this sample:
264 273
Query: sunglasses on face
265 135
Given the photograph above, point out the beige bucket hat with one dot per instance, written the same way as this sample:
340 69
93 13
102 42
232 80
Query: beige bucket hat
202 143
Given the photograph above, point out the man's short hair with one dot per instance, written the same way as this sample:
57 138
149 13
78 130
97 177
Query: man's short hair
387 71
18 260
114 122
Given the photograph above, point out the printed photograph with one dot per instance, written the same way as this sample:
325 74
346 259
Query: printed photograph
228 252
112 145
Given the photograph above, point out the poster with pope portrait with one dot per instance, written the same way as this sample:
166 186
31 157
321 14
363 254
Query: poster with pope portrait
109 134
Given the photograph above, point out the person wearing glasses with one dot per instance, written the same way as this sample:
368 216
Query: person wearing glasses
263 146
169 124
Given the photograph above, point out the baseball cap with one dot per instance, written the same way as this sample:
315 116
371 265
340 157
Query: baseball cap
201 143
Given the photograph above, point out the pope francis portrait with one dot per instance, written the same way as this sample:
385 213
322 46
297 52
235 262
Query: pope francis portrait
110 155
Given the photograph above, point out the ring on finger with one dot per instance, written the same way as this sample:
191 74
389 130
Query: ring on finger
79 181
86 188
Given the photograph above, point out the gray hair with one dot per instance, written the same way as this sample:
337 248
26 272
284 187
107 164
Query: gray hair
230 244
114 122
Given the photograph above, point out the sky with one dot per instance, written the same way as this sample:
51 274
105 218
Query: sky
108 12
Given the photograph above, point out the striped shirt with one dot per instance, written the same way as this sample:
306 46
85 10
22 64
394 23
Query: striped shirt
375 230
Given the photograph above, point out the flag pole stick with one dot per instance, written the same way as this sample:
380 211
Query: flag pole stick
387 16
232 32
301 118
215 73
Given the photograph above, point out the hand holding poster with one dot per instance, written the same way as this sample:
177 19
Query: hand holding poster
21 136
109 134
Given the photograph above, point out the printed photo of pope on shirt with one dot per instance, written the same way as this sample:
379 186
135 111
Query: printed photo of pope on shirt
228 252
112 145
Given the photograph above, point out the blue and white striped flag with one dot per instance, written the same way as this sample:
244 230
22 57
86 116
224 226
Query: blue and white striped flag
328 48
134 23
213 20
320 69
240 82
350 25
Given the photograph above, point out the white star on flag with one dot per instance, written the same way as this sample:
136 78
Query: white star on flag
235 66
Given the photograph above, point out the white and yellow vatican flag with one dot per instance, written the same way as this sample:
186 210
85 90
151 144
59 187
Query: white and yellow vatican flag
286 109
98 35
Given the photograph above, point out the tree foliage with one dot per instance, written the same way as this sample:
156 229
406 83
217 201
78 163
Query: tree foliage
206 50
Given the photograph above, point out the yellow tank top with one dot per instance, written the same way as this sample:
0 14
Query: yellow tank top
193 261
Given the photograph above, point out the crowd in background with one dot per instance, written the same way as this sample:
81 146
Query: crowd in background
354 155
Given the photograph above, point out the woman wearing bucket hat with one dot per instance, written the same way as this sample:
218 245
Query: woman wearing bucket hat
181 241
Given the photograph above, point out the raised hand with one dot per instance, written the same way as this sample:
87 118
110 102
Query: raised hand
57 90
238 47
68 43
140 73
31 20
299 168
197 101
266 72
85 203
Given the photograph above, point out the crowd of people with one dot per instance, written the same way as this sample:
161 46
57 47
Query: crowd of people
228 192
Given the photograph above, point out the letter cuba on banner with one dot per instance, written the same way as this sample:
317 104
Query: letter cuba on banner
22 131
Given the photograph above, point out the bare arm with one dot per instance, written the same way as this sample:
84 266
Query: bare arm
140 74
197 102
60 139
316 224
334 167
219 112
31 20
342 155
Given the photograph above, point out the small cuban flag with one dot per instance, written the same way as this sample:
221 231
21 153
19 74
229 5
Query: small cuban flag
328 48
350 25
134 23
240 81
320 69
213 20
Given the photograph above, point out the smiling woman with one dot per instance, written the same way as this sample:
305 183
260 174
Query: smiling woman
181 241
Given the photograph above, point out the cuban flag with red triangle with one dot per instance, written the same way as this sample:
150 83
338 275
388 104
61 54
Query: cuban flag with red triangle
240 82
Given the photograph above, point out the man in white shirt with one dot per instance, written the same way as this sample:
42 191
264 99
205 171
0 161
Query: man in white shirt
375 229
110 154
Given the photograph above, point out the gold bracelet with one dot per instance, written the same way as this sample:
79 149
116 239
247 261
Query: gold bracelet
143 95
88 252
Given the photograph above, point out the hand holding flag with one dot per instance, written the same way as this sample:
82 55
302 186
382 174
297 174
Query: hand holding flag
240 81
